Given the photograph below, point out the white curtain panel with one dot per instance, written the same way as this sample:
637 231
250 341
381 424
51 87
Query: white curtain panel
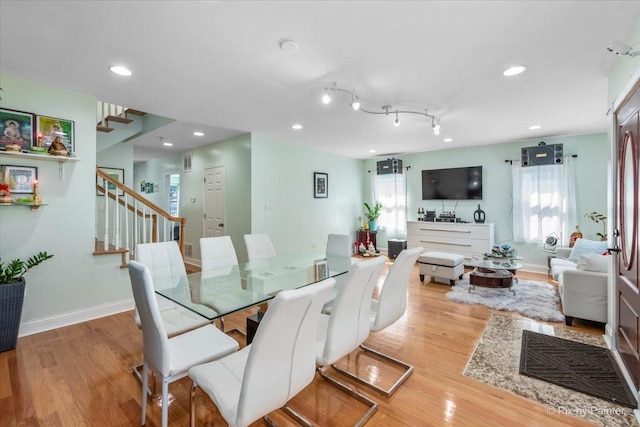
543 201
391 192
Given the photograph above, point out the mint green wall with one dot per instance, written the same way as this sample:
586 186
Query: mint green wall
155 171
591 179
282 176
624 67
74 279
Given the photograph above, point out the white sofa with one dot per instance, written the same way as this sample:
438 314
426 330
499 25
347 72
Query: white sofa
582 281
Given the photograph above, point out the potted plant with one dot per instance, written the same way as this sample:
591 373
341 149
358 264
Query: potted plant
599 218
12 285
372 214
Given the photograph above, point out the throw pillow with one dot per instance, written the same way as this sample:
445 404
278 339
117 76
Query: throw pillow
584 246
593 262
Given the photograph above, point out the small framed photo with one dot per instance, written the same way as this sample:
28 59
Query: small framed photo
16 128
320 185
20 179
114 173
50 128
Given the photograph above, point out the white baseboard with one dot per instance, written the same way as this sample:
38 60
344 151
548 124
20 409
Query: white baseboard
67 319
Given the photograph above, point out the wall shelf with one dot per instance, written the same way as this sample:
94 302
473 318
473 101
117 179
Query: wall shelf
60 159
33 206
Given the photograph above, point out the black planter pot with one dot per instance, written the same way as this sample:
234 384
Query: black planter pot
11 299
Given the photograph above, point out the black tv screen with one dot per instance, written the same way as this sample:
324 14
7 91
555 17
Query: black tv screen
452 184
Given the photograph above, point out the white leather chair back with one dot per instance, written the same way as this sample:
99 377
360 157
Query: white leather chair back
392 302
164 260
339 244
154 335
259 247
281 361
217 252
349 323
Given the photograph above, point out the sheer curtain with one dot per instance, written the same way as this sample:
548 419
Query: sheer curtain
543 201
391 192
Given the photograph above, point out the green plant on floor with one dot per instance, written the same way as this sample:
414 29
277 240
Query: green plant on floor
599 218
372 213
15 269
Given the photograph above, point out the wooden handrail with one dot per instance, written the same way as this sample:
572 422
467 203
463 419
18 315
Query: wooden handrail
147 203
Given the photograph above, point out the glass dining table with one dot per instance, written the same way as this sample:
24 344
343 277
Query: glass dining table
217 293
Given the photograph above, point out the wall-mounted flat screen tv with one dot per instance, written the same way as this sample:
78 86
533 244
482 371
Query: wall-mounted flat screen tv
452 184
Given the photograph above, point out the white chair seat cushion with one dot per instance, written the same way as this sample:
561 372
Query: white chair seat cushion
374 312
561 262
227 374
176 319
197 347
441 258
321 338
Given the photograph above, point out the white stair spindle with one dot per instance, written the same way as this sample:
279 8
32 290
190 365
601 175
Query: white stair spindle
126 224
117 219
106 214
136 237
144 224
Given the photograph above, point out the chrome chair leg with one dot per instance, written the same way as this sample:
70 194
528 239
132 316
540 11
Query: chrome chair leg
387 392
192 405
373 406
297 417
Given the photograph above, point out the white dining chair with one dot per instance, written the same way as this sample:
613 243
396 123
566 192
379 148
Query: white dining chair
259 247
348 325
170 358
217 252
266 374
386 310
166 265
339 251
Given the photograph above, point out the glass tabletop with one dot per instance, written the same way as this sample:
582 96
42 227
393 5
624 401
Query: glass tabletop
495 263
219 292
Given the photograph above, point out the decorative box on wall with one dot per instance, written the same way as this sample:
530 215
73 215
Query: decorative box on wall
468 240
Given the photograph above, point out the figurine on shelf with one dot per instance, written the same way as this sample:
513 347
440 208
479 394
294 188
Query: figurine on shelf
5 195
36 196
362 249
57 148
372 249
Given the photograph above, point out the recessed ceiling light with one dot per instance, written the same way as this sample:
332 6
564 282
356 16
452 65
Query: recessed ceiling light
372 151
448 140
296 126
534 127
120 70
514 71
288 45
198 134
167 144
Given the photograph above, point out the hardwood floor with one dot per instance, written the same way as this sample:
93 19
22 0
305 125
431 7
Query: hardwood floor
81 375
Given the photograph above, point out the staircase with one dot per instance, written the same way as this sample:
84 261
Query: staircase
106 113
124 219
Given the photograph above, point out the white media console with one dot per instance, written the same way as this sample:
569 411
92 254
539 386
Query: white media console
467 240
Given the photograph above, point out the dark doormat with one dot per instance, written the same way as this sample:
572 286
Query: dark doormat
581 367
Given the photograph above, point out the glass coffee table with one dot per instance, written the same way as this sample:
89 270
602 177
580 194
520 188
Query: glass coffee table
489 272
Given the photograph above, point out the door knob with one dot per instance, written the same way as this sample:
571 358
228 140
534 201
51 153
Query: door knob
221 225
616 250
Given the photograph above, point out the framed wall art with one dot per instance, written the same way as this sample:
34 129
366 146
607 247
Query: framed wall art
16 129
114 173
320 185
20 179
50 128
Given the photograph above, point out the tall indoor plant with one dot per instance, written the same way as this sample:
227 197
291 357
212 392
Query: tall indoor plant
12 285
372 214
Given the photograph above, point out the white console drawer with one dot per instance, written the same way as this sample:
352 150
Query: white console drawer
461 238
452 229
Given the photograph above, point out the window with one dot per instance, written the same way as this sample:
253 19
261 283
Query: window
391 192
543 201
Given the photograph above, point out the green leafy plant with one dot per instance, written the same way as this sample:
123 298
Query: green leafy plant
15 269
599 218
374 212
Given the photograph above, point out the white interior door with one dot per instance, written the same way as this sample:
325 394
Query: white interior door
215 210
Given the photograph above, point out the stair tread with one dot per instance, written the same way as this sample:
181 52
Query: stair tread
101 128
135 112
112 250
118 119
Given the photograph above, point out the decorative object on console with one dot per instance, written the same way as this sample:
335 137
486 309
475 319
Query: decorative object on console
599 218
372 215
478 216
502 251
551 243
575 236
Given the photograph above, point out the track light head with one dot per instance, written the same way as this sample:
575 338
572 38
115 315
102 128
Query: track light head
355 102
621 49
396 122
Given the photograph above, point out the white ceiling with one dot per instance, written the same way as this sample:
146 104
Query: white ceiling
218 64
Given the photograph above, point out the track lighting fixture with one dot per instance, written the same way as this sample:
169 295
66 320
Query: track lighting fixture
357 106
622 49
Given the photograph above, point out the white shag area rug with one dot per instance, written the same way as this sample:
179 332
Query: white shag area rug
536 300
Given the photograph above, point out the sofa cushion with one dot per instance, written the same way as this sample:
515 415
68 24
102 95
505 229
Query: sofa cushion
584 246
593 262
